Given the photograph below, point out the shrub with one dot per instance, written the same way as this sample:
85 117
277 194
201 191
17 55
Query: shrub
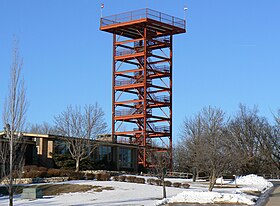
30 168
139 180
103 177
65 173
42 169
90 176
177 184
53 172
34 174
115 178
121 178
130 178
75 175
168 183
64 161
152 181
185 185
158 182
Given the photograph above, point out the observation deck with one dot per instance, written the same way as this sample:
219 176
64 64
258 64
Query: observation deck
128 24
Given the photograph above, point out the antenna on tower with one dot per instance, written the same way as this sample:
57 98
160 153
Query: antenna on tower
185 15
101 7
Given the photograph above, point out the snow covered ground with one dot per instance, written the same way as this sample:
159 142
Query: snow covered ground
143 194
249 183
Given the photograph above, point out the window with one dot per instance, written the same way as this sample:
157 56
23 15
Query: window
125 157
104 153
60 147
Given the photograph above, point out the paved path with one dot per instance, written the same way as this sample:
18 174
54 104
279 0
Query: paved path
274 197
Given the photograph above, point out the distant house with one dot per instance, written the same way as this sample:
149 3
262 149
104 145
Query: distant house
42 147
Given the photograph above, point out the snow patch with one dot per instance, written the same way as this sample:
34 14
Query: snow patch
209 197
255 183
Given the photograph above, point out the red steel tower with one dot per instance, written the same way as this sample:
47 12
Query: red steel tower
142 80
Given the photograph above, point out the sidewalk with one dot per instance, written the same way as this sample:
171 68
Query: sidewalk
274 197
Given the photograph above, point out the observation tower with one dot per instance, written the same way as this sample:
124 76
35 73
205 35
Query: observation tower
142 81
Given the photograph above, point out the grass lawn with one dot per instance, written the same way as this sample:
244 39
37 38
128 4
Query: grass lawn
56 189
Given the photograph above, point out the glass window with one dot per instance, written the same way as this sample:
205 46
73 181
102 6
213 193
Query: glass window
125 157
60 147
104 153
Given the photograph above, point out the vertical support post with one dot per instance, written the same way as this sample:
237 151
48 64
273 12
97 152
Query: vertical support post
171 71
145 97
114 138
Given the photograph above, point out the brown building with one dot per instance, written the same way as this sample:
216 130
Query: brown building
42 147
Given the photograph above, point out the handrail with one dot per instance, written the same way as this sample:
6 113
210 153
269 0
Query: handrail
140 14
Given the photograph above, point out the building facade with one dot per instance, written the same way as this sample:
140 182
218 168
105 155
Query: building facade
41 149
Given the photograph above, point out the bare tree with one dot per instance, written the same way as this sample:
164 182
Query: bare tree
270 142
206 143
160 164
44 128
249 134
14 119
79 128
190 145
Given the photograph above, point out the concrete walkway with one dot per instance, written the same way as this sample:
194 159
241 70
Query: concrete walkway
274 197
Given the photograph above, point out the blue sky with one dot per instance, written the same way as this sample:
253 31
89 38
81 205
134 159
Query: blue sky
229 55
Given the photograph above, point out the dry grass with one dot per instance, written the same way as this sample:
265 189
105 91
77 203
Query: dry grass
56 189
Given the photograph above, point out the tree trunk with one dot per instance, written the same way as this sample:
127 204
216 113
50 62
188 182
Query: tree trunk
163 183
11 195
194 174
77 165
212 181
164 189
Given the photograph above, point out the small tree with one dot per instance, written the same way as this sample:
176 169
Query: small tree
160 164
251 137
79 128
206 143
14 119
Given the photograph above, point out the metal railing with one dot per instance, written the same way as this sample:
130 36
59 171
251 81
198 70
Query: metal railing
152 127
154 41
122 52
163 98
124 82
133 111
141 14
163 68
162 129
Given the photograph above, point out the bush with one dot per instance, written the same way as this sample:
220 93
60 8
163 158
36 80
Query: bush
75 175
54 172
28 168
168 183
103 177
115 178
90 176
64 161
185 185
151 181
42 169
139 180
34 174
130 178
158 182
121 178
177 184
